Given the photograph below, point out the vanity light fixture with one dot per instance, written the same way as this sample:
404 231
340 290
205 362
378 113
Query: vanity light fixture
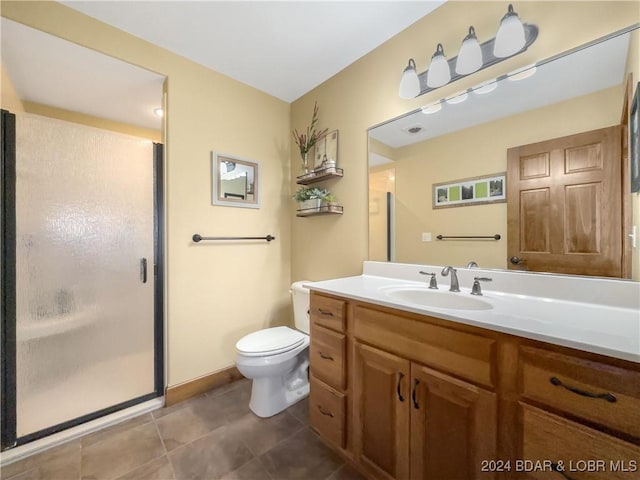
470 56
409 83
439 73
513 37
510 38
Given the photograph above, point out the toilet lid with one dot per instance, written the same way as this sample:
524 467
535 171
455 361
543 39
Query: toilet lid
270 341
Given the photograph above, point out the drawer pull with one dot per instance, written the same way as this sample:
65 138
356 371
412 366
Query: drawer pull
324 412
400 377
605 396
326 313
556 468
325 356
413 394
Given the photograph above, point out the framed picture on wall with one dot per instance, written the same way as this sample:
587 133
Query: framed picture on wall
634 133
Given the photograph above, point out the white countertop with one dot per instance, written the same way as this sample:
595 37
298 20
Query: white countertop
607 324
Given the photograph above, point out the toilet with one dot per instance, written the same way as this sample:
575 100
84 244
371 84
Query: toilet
277 358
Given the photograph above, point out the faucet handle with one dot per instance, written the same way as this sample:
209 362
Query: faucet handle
476 289
433 283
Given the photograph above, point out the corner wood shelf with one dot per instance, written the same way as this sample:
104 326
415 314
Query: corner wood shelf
319 175
323 210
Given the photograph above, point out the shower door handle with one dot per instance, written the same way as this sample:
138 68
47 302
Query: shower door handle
143 270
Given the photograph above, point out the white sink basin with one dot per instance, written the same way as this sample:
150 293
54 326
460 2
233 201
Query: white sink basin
436 298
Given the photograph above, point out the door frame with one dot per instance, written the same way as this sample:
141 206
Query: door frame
8 433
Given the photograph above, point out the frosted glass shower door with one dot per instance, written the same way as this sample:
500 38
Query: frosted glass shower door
85 315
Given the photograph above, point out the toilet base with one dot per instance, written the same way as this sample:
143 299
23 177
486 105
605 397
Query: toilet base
269 396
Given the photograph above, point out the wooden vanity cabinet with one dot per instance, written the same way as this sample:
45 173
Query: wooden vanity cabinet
411 421
418 397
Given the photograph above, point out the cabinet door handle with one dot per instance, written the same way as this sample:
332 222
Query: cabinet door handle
400 377
609 397
416 382
325 356
326 313
556 468
324 412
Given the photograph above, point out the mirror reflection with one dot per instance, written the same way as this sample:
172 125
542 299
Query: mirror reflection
235 182
470 134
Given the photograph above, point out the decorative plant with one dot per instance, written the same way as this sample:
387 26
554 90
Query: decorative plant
312 193
306 141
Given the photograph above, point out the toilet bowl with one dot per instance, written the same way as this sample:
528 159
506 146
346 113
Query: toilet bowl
277 360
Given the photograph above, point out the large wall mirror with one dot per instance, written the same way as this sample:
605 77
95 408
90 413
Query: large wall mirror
469 135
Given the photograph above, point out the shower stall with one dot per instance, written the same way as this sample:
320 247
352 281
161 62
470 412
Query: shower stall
81 274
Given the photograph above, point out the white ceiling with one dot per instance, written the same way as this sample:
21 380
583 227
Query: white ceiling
579 73
284 48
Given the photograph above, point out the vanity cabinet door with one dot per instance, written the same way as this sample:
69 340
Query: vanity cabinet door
381 413
453 427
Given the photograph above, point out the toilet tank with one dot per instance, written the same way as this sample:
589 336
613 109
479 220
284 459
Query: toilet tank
300 299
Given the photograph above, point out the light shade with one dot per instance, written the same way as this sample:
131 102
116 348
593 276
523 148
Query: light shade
470 57
439 73
510 38
409 83
433 108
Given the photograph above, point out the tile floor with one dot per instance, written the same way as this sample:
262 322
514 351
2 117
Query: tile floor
213 436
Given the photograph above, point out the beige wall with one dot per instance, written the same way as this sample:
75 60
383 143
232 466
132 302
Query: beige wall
472 152
8 96
366 93
215 292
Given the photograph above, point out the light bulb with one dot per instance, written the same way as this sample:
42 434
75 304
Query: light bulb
439 73
470 57
409 83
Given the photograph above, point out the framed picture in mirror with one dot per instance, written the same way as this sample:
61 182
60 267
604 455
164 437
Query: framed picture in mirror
634 133
470 191
236 181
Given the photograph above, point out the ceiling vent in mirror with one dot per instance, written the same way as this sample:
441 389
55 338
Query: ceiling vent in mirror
413 129
513 37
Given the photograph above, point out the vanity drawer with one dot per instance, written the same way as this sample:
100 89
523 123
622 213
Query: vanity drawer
463 354
326 356
328 312
546 437
597 392
327 412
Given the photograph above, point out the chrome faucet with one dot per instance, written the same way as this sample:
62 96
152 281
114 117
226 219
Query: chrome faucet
472 264
455 286
433 283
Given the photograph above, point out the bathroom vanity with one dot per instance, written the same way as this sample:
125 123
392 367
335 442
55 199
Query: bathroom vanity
490 390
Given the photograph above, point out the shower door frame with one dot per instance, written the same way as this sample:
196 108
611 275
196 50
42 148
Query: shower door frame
8 436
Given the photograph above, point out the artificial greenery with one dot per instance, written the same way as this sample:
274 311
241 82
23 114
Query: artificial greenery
311 193
306 141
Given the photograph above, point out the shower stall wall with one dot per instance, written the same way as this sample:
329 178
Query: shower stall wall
87 326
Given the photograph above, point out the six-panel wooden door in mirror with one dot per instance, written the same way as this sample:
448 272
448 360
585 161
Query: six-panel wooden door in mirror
564 204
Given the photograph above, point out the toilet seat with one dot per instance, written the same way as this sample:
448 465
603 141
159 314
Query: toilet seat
270 341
